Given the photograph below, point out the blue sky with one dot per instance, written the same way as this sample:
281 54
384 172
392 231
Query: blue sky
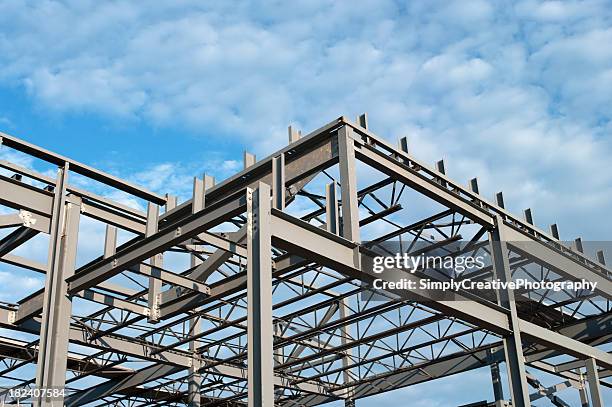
516 93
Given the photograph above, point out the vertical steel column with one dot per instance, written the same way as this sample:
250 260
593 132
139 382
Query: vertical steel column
513 349
155 284
348 184
57 305
249 159
346 358
584 400
331 208
259 298
278 182
350 220
362 120
294 134
593 379
110 241
195 378
498 391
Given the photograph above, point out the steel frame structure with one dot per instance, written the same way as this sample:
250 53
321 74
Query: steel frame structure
272 308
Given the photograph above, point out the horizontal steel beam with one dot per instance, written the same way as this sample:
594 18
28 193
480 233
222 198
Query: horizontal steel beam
80 168
332 251
163 240
19 195
394 169
560 263
144 350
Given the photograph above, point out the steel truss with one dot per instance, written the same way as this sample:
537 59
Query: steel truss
271 304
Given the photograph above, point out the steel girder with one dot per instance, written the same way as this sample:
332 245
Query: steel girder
334 348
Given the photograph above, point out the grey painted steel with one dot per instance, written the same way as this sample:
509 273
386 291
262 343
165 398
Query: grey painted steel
513 348
249 160
110 241
186 358
403 144
348 184
57 308
346 338
584 399
259 299
331 208
560 263
79 168
294 134
278 182
601 257
498 390
195 326
593 380
155 284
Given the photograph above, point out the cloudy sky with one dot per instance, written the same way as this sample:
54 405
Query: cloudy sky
517 94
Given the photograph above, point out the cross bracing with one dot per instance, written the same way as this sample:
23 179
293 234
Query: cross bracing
255 290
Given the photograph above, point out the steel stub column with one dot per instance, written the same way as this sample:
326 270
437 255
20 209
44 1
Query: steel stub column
259 299
331 208
156 261
278 182
348 184
513 348
57 305
593 379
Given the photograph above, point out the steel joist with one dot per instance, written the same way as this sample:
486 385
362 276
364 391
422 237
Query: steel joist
272 305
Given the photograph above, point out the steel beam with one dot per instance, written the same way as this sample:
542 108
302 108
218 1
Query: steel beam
79 168
163 240
560 263
15 239
18 195
301 378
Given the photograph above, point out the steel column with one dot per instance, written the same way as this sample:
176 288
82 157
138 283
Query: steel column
346 358
195 379
513 349
593 379
498 391
331 208
57 305
155 284
278 182
259 299
584 400
348 184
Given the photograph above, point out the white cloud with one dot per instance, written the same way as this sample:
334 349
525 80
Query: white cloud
516 95
14 286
